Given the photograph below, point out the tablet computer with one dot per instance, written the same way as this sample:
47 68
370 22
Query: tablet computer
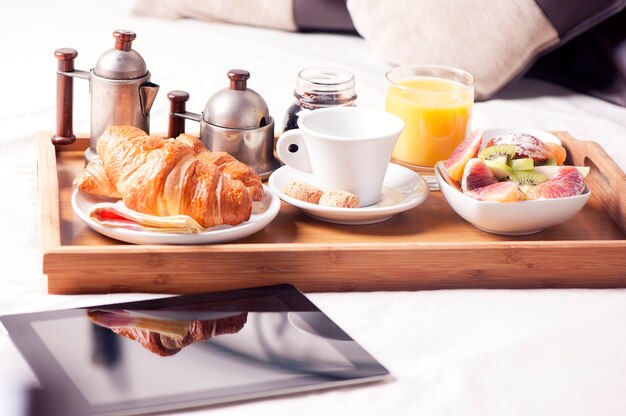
188 351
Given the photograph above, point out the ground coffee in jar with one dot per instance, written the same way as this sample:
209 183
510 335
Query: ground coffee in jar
320 88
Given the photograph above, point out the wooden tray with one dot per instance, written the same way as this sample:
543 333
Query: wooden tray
429 247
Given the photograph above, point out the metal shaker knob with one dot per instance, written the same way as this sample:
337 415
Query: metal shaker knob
238 79
124 39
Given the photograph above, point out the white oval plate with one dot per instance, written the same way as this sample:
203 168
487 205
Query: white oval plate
402 190
266 209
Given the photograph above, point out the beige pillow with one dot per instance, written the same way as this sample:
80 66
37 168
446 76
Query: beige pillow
492 40
276 14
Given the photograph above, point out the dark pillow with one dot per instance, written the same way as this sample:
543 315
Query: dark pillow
322 16
593 63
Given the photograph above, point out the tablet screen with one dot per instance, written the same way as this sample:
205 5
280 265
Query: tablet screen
189 351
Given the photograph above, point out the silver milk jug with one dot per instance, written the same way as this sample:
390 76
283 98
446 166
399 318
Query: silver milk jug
235 120
120 88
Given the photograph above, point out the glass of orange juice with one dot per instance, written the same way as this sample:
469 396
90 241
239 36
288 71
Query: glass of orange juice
435 103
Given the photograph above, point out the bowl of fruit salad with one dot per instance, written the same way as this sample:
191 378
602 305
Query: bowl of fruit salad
512 181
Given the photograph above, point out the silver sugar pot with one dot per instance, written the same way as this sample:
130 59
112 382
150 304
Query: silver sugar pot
235 120
120 89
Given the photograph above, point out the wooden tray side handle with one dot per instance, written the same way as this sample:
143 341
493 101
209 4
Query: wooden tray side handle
176 123
606 178
65 96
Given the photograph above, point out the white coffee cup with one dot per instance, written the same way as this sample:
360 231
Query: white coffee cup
345 148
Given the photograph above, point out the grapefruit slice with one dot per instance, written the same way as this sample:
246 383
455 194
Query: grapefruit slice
468 149
567 182
499 192
477 175
557 151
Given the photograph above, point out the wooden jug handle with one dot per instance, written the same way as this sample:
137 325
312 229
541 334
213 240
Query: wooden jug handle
176 124
65 95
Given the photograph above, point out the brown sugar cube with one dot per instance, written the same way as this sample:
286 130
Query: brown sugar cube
341 199
303 191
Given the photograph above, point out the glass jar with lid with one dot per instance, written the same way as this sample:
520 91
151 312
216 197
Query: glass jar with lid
320 88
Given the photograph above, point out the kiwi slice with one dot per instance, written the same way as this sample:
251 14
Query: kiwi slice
499 169
501 159
527 177
550 161
494 152
525 163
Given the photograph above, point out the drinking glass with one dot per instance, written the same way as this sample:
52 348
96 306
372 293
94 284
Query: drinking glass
435 103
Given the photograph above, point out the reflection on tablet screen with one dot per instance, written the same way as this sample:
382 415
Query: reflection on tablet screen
133 358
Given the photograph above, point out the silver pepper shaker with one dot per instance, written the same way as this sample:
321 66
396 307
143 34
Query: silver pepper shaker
235 120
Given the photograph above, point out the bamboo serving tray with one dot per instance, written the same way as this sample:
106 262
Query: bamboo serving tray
428 247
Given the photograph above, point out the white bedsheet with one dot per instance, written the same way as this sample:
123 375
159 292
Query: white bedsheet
451 352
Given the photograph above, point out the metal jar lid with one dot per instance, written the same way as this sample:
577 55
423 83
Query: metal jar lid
237 107
121 62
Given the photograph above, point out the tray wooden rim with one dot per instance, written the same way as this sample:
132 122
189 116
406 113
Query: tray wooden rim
530 255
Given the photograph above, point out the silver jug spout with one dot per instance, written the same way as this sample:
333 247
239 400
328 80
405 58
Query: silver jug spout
147 93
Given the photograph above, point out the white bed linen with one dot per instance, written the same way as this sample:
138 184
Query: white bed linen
451 352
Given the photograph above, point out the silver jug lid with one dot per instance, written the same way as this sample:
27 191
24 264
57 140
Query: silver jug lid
121 62
237 107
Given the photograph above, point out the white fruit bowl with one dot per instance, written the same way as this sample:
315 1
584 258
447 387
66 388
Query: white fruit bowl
510 218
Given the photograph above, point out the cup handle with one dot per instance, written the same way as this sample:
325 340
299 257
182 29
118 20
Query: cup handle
292 151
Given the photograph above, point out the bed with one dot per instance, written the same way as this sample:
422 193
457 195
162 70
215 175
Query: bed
450 352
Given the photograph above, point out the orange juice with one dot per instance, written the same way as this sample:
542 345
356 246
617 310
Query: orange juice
436 113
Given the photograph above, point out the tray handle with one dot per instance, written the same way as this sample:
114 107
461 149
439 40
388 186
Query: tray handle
606 178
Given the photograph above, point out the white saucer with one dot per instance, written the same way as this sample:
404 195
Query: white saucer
402 190
266 210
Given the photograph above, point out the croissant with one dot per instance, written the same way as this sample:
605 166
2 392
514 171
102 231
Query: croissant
197 331
163 177
227 164
95 181
165 336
